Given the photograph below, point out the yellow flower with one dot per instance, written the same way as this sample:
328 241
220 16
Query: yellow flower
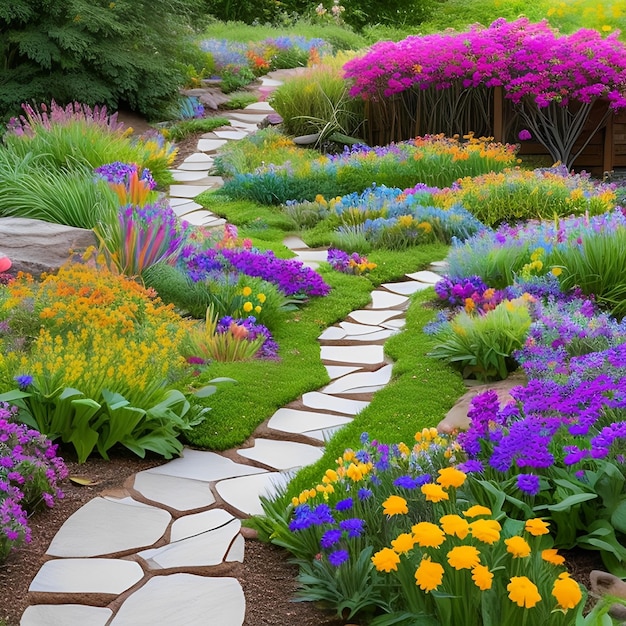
403 543
454 525
246 291
517 546
428 575
428 535
330 476
261 297
386 560
395 505
536 527
476 510
567 592
482 577
523 592
451 477
556 271
257 309
464 557
434 493
551 555
485 530
247 306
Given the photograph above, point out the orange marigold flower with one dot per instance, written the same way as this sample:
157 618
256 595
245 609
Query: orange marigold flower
395 505
434 493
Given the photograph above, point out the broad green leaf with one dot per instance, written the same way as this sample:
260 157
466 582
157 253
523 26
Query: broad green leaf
618 518
572 500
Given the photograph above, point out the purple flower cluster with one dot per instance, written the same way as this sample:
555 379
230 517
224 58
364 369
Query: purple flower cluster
529 61
269 349
29 474
119 173
454 291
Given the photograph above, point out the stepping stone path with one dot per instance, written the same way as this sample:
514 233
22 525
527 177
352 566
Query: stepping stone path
167 553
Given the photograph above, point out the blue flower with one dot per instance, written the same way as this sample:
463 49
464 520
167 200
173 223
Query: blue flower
528 483
364 494
23 381
344 505
354 526
338 557
406 482
330 538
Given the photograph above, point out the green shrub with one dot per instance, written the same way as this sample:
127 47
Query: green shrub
181 130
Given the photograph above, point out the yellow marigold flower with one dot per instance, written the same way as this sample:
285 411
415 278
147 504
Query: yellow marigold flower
551 555
403 543
257 309
470 305
428 575
536 527
517 546
482 577
330 476
451 477
348 455
395 505
434 493
386 560
247 306
454 525
476 510
567 592
485 530
246 291
556 271
403 448
428 535
523 592
295 501
464 557
261 297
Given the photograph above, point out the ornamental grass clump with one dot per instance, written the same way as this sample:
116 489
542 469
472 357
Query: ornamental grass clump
101 355
30 472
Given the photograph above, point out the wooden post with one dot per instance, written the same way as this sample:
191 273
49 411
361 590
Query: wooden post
498 115
608 157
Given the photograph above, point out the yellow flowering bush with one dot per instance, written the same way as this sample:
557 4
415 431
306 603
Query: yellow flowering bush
95 355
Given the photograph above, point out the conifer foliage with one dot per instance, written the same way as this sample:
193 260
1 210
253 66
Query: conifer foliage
114 52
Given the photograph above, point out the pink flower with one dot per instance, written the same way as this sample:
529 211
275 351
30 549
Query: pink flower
524 135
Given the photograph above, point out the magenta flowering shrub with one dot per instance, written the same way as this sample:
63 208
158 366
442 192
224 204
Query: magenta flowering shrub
29 475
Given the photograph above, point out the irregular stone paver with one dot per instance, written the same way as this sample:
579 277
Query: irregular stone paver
386 300
210 145
189 177
380 335
366 355
233 135
296 421
196 167
332 333
198 157
65 615
319 400
406 288
425 276
112 576
262 106
366 316
198 523
202 465
351 382
204 550
395 324
243 493
316 256
188 191
294 243
336 371
181 494
323 435
359 329
270 82
184 599
244 125
199 218
250 118
236 552
187 207
282 455
103 527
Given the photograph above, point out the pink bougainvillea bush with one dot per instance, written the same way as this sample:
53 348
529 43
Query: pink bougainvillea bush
552 79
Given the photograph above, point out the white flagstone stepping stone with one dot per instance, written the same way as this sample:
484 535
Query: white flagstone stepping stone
86 576
232 135
214 222
282 455
184 599
196 167
358 329
181 494
380 335
65 615
198 218
294 243
386 300
332 333
211 145
198 157
319 400
296 421
440 265
349 383
176 202
188 191
204 550
336 371
188 207
202 465
362 355
236 552
319 256
251 128
323 435
243 493
311 264
425 276
270 82
261 106
250 118
406 288
188 177
103 527
371 317
198 523
395 324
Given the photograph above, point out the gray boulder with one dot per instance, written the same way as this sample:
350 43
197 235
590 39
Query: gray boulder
35 246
